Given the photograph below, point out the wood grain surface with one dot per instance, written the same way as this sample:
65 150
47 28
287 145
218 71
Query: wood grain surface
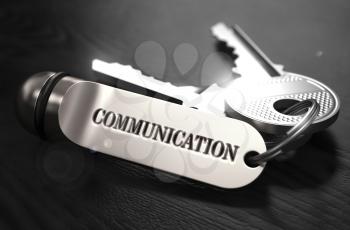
60 186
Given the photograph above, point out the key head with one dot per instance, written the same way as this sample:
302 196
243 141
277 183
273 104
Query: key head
261 102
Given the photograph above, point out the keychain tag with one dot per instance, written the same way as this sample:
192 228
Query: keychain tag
160 134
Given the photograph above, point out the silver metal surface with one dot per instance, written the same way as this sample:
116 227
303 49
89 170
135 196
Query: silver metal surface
27 98
258 99
187 94
80 102
292 134
51 126
127 73
27 102
251 61
249 99
256 95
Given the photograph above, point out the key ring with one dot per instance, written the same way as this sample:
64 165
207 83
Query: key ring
294 132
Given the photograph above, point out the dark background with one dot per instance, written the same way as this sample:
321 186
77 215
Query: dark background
60 186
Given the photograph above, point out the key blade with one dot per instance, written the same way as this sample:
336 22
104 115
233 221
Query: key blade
214 96
129 74
251 60
213 100
256 51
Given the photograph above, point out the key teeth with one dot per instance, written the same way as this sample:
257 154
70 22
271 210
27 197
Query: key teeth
225 30
129 68
152 78
236 71
220 36
150 83
222 32
136 71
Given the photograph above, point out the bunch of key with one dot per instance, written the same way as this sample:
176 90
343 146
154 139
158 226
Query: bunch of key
267 97
220 135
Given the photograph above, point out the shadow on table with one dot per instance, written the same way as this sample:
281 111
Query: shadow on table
68 167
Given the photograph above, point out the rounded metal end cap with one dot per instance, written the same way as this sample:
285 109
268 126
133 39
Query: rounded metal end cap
27 98
32 100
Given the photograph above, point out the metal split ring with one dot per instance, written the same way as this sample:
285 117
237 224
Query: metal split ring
300 128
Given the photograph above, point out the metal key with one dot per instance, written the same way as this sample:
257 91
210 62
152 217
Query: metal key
187 94
264 90
242 98
210 101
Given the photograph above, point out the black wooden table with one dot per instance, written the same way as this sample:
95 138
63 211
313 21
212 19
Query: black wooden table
60 186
